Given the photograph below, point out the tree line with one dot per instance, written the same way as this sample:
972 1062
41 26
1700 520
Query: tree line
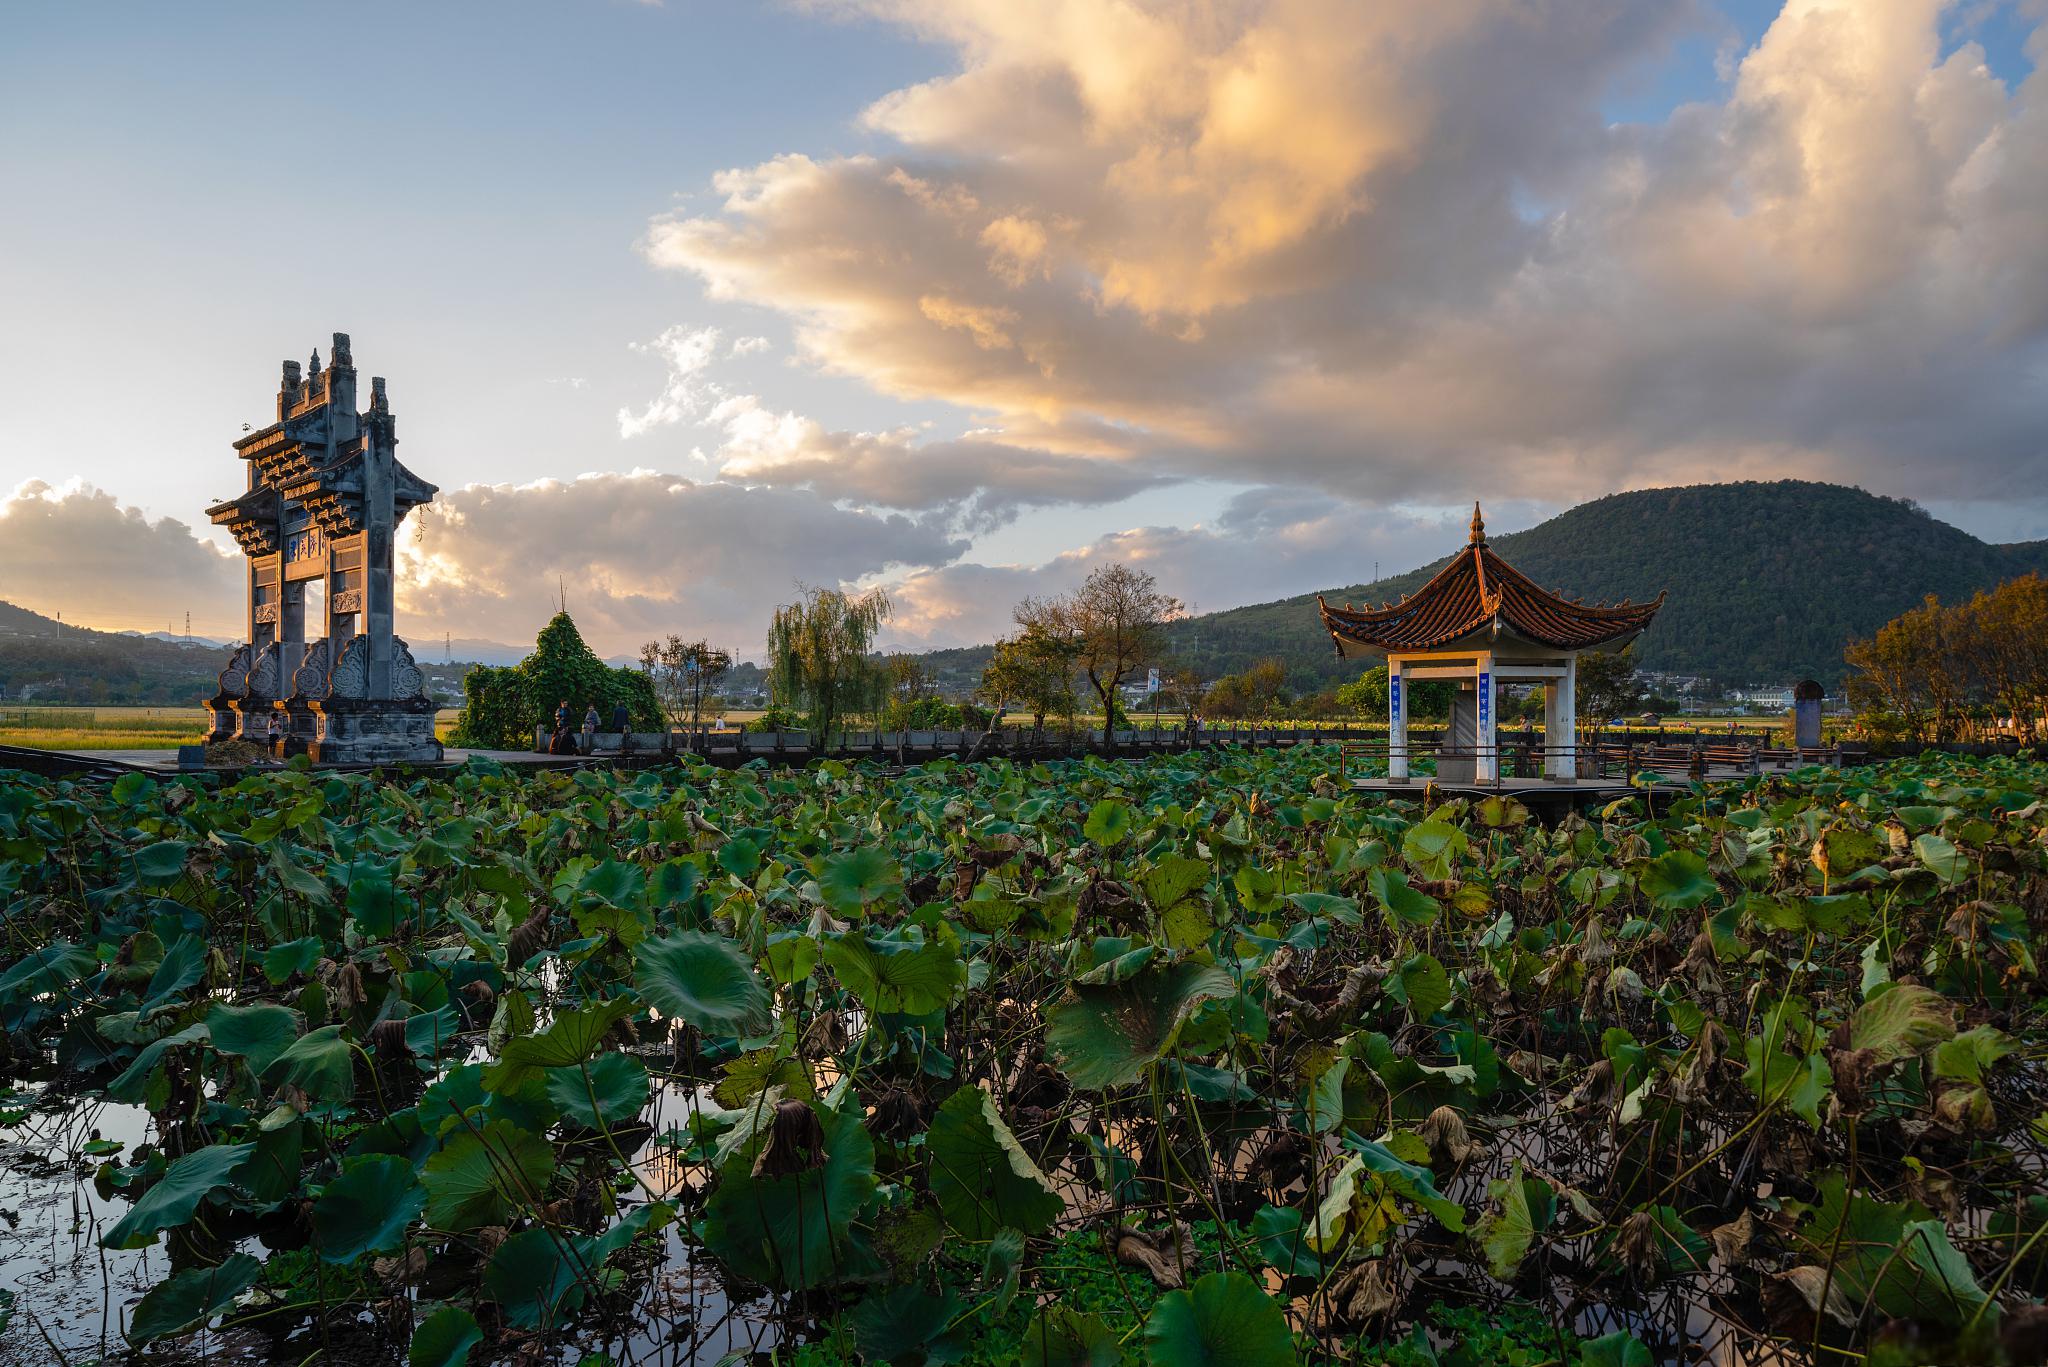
1956 672
1066 652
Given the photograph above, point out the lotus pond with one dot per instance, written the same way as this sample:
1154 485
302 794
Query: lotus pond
1195 1060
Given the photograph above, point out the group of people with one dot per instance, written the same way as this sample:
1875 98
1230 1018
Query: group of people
567 742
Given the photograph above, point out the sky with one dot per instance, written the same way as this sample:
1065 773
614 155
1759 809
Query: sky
685 304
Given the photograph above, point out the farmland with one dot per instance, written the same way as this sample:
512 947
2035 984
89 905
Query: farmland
1196 1060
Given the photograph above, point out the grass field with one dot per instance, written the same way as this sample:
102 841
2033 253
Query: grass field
121 728
166 728
101 728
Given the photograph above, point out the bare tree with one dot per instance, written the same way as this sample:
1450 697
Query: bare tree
1115 623
685 675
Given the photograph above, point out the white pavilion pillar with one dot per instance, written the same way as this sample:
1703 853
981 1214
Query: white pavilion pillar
1397 718
1486 757
1553 727
1564 750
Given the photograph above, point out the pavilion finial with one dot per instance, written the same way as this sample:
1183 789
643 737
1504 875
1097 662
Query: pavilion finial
1478 525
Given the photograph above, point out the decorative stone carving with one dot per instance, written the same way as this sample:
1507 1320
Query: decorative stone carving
406 679
350 677
311 679
348 600
234 680
263 674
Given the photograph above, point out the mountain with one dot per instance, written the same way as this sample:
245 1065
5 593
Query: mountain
1766 582
45 661
42 660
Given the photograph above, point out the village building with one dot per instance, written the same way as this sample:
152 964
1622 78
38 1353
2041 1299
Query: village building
1479 624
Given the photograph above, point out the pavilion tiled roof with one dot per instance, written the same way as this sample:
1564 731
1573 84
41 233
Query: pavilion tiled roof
1479 593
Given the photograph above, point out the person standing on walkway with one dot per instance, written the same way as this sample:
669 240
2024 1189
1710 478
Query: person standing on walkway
562 715
590 724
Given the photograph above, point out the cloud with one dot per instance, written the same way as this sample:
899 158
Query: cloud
1268 543
638 555
975 482
747 346
688 353
1396 252
75 550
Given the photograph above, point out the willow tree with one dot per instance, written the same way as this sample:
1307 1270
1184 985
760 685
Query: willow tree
820 655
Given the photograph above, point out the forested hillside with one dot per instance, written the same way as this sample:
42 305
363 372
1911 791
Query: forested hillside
1766 582
73 664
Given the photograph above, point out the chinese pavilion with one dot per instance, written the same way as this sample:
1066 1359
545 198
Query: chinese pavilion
1481 623
318 523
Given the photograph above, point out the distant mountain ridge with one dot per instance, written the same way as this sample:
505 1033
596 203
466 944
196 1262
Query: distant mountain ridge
1766 582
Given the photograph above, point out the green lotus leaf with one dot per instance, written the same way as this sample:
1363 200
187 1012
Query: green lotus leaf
1109 821
1172 878
1618 1349
48 969
980 1175
444 1338
170 1202
1416 1184
740 857
620 885
296 878
479 1178
1422 985
1433 848
1504 1235
795 1230
299 956
901 1322
367 1208
1062 1337
1106 1034
320 1063
896 976
1941 856
191 1298
1800 1084
162 862
1677 881
850 882
1902 1020
133 1082
604 1093
1891 1255
704 980
1402 904
534 1279
259 1032
1283 1234
1225 1320
570 1038
182 966
373 899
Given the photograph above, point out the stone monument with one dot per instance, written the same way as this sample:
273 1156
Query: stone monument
1807 697
319 521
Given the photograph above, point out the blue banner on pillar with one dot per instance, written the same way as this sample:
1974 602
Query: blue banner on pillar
1485 700
1393 695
